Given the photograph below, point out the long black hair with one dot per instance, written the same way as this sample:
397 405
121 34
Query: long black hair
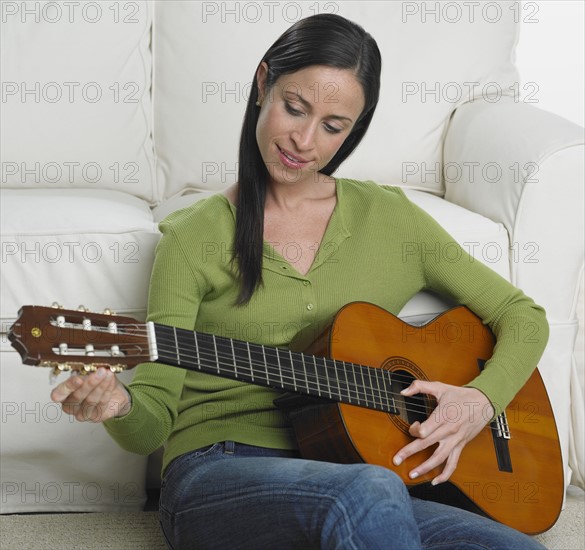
324 39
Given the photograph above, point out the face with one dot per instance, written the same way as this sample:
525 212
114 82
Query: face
304 119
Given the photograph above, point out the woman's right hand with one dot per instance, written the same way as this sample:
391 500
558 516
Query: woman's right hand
95 397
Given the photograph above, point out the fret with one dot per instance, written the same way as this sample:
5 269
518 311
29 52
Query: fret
300 372
265 367
177 346
293 369
378 387
357 394
391 394
305 371
369 386
197 350
346 381
234 358
317 375
358 384
362 384
385 388
272 361
316 383
216 356
279 367
257 358
243 369
327 377
337 378
286 367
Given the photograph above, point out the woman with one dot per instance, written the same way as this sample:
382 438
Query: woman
275 257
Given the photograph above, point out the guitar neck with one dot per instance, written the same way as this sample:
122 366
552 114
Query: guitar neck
277 368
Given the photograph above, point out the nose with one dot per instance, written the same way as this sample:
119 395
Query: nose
303 135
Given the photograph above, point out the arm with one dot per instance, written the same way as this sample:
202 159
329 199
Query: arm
521 332
140 416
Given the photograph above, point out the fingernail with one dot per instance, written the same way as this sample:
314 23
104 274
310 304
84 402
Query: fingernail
101 373
413 475
434 482
397 461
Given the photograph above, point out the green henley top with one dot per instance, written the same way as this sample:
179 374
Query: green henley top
378 247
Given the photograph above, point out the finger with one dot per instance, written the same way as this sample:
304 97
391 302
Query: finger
424 386
411 449
65 389
422 430
435 421
413 389
95 406
450 466
72 403
440 455
90 382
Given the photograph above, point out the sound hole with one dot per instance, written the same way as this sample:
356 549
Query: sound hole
411 408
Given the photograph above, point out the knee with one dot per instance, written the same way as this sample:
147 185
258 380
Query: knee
372 508
374 487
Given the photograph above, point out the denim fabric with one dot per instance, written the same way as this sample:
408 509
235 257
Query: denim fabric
236 496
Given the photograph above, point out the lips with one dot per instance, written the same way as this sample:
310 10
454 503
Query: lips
290 160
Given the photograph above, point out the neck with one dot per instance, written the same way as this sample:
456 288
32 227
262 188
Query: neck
290 195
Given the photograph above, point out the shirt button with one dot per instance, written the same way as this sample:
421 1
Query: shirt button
309 307
306 283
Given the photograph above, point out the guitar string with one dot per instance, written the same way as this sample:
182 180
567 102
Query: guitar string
283 373
324 379
145 334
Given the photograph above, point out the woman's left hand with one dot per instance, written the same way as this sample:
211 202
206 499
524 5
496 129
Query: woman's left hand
460 415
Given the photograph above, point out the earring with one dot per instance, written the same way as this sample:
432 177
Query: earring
258 104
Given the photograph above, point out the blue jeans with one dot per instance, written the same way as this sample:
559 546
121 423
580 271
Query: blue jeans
236 496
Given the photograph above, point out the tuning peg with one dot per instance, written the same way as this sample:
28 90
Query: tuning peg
107 311
82 308
56 305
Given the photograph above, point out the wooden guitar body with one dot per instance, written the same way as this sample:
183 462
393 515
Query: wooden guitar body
517 481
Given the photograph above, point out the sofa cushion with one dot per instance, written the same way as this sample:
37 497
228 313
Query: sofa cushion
485 240
76 109
470 57
90 247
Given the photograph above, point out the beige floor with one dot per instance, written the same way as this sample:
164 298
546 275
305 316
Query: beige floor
140 530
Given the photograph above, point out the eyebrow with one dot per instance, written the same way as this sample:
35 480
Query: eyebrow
308 106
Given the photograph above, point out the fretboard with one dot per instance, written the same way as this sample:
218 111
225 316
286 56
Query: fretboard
277 368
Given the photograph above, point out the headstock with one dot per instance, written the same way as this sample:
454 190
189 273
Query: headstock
78 340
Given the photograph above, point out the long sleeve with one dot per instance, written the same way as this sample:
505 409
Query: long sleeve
519 325
155 390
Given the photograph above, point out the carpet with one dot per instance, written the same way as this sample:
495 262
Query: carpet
140 530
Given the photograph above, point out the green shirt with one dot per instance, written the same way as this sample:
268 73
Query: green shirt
378 247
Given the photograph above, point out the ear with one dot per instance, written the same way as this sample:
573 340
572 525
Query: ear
261 75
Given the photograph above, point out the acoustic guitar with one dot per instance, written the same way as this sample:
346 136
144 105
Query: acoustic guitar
343 394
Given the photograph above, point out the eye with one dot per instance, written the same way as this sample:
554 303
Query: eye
291 110
332 129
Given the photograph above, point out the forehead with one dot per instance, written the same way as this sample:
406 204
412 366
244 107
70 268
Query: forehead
327 85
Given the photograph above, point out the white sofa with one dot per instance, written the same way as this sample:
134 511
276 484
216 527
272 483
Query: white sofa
116 113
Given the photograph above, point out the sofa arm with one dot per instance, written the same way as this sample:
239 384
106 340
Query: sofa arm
524 167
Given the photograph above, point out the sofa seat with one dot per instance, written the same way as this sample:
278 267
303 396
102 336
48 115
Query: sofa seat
48 459
109 237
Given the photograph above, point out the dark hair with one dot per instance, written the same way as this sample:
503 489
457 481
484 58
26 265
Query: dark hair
324 39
